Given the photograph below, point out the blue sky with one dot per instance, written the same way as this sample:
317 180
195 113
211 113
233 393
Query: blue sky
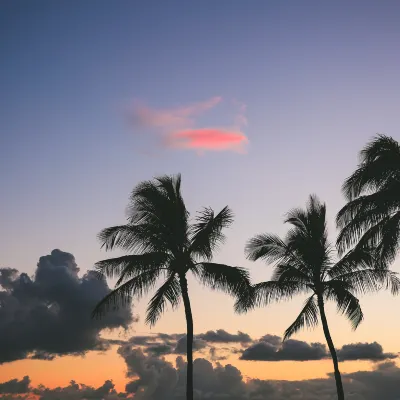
318 80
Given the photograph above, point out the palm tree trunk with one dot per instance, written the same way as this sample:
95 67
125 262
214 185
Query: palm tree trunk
338 377
189 337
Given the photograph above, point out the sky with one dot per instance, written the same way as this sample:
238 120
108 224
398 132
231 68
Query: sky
257 104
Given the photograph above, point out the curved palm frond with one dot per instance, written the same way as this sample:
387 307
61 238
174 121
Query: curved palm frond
308 317
206 233
134 238
389 244
371 280
159 204
289 273
123 294
379 161
170 291
347 304
382 237
131 265
232 280
356 259
267 247
265 293
371 206
272 248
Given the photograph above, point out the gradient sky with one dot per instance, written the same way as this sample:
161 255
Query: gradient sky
93 94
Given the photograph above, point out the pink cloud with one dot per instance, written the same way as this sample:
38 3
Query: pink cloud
175 118
178 130
208 139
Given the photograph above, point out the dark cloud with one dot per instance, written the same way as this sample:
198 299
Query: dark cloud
198 344
159 349
153 378
75 391
50 313
14 386
222 336
291 349
214 355
156 379
271 348
364 351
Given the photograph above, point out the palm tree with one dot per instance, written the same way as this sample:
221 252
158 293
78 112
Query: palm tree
304 264
163 244
372 215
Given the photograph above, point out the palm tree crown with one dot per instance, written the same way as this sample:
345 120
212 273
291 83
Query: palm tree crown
372 215
304 263
164 245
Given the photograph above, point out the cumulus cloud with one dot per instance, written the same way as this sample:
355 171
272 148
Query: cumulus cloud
15 386
364 351
294 350
271 348
177 126
50 314
198 344
154 378
222 336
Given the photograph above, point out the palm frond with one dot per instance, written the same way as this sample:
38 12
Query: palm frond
268 247
265 293
371 280
170 291
232 280
289 273
389 244
308 317
123 294
131 265
206 233
363 213
383 237
159 204
346 303
356 259
379 161
134 238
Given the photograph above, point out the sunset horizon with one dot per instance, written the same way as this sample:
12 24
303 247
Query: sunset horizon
219 145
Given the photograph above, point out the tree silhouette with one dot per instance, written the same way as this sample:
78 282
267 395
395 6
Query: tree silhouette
304 263
372 215
163 244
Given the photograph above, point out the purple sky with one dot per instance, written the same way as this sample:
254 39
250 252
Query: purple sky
318 80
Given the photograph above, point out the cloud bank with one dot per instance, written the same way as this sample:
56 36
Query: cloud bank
154 378
271 348
177 126
49 314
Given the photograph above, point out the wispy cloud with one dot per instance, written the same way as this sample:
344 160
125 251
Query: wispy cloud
177 127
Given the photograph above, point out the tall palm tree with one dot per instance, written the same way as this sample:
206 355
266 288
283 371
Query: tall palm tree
163 244
372 215
304 263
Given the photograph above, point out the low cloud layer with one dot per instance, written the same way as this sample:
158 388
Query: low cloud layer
222 336
178 127
271 348
153 378
50 314
364 351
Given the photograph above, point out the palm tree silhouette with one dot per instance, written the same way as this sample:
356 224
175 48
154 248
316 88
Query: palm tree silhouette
304 264
372 215
163 244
